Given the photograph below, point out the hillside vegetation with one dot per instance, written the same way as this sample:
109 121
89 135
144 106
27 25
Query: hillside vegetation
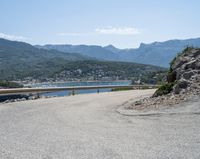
19 59
105 70
7 84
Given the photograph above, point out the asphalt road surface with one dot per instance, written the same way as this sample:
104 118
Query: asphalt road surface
89 127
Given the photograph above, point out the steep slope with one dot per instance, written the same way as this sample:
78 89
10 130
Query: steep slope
183 82
21 50
184 72
18 58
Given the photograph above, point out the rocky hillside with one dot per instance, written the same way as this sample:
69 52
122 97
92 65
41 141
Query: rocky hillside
183 82
185 72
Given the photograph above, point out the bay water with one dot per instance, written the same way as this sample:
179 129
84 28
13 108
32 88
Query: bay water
71 84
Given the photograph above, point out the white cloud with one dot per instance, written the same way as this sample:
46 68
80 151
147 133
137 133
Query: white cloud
13 37
117 31
106 31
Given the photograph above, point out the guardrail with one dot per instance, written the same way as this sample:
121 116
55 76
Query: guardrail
57 89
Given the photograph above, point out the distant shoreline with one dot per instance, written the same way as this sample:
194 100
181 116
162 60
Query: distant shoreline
60 82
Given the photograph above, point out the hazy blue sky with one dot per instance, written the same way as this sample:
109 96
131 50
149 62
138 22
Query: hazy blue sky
123 23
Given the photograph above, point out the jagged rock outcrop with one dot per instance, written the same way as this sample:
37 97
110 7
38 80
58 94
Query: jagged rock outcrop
183 82
186 68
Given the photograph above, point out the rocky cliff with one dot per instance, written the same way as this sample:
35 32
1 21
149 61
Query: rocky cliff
185 72
183 82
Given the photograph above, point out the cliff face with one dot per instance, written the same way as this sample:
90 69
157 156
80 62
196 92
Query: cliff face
185 72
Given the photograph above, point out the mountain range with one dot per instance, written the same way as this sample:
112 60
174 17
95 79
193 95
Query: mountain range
156 53
21 61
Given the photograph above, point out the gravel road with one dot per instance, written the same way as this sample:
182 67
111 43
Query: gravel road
89 127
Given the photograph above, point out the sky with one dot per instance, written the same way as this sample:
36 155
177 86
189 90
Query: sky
122 23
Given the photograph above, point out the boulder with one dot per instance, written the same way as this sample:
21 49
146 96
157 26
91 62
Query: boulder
183 84
188 75
179 62
191 64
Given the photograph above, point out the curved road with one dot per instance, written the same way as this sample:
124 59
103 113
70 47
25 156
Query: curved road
89 127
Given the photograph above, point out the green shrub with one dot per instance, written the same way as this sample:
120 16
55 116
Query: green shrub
171 77
164 89
121 89
7 84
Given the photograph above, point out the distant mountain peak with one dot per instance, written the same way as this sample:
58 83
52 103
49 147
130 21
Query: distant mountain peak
112 48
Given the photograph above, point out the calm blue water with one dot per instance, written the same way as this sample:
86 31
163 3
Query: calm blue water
66 84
